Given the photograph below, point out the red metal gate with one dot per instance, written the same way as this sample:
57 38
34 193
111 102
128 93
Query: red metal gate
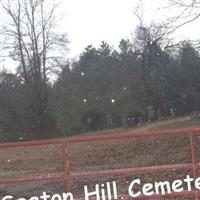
69 176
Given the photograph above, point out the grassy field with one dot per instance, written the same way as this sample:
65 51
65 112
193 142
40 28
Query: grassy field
124 153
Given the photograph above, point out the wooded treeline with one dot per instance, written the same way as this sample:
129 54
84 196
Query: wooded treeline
146 78
105 88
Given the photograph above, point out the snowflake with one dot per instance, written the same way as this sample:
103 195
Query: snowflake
112 100
125 88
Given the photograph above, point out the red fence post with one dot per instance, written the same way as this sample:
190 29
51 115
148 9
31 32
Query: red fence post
67 175
193 158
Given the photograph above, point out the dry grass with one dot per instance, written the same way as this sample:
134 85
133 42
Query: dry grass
135 152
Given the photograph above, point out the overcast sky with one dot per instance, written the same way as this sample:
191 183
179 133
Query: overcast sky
91 21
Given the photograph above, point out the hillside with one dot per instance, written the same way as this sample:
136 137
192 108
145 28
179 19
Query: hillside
125 153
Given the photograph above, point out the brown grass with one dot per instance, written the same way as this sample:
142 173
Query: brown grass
135 152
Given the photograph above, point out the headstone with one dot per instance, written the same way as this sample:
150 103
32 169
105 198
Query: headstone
195 115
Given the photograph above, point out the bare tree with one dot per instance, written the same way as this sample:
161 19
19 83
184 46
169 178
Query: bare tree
187 12
151 42
33 41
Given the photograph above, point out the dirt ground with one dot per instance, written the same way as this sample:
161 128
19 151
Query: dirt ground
92 156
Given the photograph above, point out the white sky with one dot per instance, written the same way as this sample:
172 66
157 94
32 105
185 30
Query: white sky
92 21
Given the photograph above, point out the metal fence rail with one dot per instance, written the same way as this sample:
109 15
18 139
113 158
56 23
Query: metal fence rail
69 176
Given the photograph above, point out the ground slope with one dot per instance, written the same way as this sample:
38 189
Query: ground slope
28 161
